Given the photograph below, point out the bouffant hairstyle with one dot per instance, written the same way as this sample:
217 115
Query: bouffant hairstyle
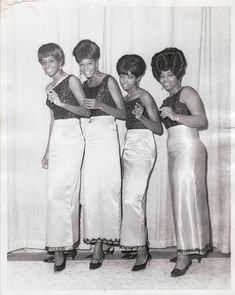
51 49
132 63
169 59
86 49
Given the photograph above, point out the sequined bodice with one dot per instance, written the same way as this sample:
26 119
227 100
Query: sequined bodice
177 106
65 95
131 121
101 93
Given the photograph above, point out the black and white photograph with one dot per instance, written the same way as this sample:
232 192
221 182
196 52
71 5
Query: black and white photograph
117 135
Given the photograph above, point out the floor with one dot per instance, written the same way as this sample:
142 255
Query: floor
27 272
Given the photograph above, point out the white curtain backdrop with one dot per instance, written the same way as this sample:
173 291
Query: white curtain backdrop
203 33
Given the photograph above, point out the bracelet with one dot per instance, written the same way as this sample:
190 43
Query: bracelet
177 118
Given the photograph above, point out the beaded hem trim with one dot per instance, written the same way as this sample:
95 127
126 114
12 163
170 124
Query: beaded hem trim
64 248
106 241
131 248
194 251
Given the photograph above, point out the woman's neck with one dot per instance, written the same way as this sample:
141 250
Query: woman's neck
175 90
133 92
96 78
58 76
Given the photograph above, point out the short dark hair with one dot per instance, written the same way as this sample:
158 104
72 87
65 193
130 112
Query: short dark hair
86 49
132 63
169 59
51 49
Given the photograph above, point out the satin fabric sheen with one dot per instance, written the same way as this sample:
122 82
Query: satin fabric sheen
65 160
187 172
138 158
101 197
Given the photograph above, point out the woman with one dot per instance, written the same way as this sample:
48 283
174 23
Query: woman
64 154
102 176
183 114
139 155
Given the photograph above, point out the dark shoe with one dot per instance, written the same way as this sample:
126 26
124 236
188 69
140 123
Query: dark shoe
71 253
192 256
108 251
49 259
198 257
143 265
61 266
180 272
129 254
88 256
97 264
174 259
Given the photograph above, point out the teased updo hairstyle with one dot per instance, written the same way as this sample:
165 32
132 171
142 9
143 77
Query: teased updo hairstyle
51 49
169 59
132 63
86 49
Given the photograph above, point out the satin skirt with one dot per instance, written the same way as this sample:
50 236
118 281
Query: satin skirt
101 192
187 174
64 169
139 155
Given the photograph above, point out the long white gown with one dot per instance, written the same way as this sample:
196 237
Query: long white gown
66 152
101 189
138 158
187 176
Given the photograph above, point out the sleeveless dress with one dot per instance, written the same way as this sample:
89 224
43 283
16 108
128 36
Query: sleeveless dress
66 151
101 190
138 158
187 176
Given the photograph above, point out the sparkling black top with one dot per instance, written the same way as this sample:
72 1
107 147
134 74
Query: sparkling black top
131 121
177 106
101 93
66 96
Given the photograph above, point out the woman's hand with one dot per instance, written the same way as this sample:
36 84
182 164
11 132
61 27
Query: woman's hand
44 161
53 97
91 103
168 112
138 111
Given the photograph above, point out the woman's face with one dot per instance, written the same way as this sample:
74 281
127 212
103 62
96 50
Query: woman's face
50 65
128 81
168 80
88 67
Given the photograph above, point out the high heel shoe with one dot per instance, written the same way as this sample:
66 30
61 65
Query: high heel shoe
192 256
61 266
138 267
129 254
180 272
72 253
50 257
97 264
108 251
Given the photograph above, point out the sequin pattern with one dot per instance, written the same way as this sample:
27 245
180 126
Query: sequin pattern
131 121
101 93
65 95
177 106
